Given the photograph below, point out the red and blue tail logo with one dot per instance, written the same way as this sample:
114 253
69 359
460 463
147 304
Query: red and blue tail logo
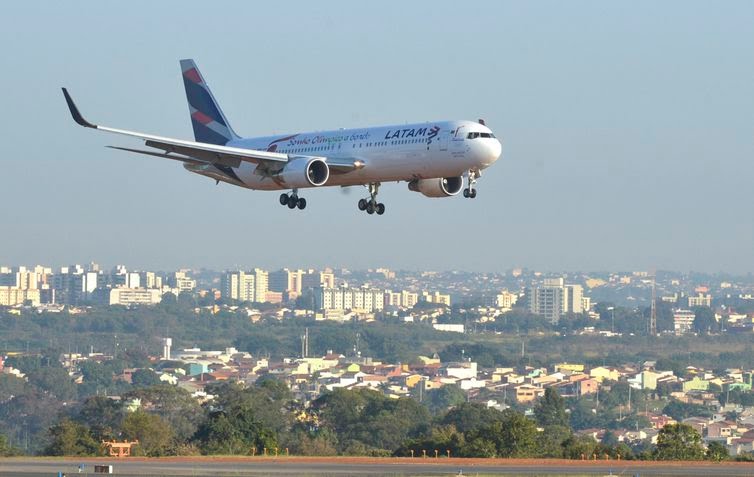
208 121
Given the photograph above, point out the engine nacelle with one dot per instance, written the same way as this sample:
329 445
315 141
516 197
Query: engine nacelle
304 172
442 187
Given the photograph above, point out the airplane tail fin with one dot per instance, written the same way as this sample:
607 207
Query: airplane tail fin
209 122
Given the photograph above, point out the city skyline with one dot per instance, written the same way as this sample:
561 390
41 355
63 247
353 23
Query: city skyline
627 138
331 266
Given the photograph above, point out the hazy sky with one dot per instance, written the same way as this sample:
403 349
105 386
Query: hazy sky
628 132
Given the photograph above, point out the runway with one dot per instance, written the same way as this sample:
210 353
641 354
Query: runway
303 466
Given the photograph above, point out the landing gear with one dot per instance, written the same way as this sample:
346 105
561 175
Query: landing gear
371 205
470 191
292 200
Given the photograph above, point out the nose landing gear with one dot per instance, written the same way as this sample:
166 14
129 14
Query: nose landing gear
371 206
470 191
292 200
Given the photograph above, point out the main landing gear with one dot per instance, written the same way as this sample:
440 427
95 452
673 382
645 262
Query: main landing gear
371 206
292 200
470 191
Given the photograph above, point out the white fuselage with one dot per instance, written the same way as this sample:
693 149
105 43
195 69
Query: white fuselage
388 153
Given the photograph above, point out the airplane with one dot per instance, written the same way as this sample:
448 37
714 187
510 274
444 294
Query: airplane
433 157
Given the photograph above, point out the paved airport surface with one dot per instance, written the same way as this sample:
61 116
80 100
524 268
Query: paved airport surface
32 467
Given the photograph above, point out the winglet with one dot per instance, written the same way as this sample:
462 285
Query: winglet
75 111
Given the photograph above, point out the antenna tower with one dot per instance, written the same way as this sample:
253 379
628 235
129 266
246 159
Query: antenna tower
653 309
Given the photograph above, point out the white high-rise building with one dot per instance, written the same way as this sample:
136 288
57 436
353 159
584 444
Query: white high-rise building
506 299
73 285
182 281
554 298
167 343
701 299
573 299
134 296
245 286
361 299
238 286
261 285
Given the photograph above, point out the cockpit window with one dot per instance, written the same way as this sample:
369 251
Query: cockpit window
474 135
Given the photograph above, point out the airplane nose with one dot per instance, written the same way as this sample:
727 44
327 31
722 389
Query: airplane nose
494 149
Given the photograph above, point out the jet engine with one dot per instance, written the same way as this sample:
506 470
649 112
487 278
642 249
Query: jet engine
304 172
442 187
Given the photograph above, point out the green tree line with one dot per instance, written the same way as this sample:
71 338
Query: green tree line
252 420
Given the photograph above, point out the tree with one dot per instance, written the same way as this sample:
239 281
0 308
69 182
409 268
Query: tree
679 410
96 374
479 447
321 443
102 415
679 442
663 389
551 440
716 451
584 416
609 439
470 416
154 434
55 381
30 414
369 417
518 435
169 300
69 438
579 447
6 450
174 404
439 400
550 411
444 437
10 386
144 377
704 320
242 419
512 433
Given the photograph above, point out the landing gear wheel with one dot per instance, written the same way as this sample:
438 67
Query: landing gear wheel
472 194
371 205
284 199
292 201
301 203
466 193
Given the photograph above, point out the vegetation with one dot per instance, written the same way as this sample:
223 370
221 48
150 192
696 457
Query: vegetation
49 414
679 442
250 420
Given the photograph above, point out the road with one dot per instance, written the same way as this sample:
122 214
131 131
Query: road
300 466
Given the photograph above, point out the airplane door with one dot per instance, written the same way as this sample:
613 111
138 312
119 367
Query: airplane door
444 140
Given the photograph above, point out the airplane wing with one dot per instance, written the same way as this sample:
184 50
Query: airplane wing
210 153
203 153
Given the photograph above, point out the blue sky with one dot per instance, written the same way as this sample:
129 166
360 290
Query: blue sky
628 132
